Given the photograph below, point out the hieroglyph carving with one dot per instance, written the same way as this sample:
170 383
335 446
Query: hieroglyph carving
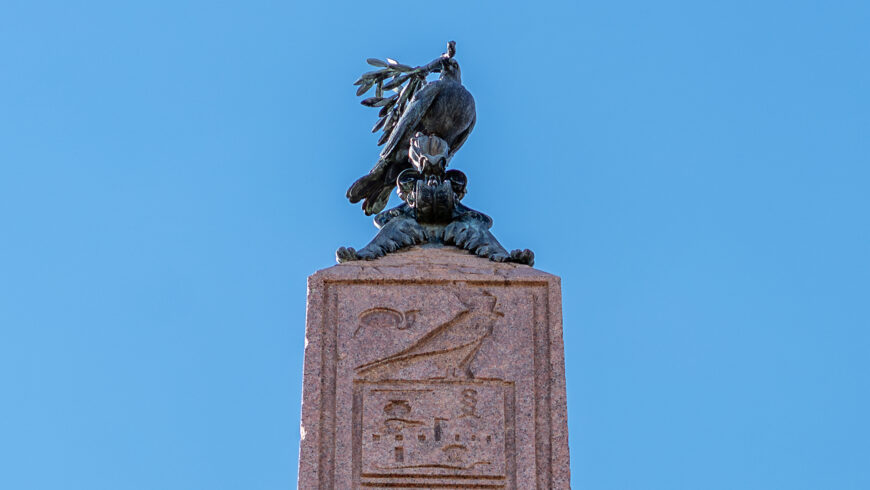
435 431
447 350
423 415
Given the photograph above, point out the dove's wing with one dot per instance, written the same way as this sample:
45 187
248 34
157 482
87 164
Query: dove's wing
460 140
410 118
376 186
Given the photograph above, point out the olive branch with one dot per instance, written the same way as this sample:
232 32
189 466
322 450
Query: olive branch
404 80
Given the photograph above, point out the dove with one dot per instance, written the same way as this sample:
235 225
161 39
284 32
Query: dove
443 108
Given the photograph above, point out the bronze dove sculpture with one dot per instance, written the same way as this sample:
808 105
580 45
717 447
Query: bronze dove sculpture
424 125
443 108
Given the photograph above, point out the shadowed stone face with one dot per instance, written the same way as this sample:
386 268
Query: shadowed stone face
433 368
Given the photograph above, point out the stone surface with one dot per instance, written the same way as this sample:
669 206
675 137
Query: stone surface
433 368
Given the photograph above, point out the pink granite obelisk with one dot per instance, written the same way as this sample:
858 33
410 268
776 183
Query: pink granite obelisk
433 368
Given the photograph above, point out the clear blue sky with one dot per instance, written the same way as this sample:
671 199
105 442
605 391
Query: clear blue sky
697 173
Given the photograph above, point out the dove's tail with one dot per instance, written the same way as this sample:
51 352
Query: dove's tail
372 190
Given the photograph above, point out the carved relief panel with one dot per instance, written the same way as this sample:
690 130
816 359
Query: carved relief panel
434 372
457 433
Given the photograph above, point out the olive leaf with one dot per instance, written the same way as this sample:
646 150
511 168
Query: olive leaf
391 120
404 80
397 81
374 74
371 101
364 88
408 91
402 68
383 102
377 62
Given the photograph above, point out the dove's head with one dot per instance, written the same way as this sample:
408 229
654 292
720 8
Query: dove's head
450 69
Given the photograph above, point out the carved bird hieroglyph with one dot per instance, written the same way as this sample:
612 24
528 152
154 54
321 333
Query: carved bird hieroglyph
448 350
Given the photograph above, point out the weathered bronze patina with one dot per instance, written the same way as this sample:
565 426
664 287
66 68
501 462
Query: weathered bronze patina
423 124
